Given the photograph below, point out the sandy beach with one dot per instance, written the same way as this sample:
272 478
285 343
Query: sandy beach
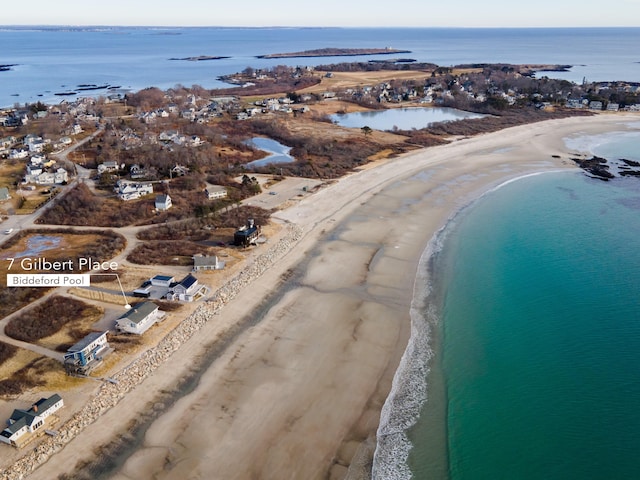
298 392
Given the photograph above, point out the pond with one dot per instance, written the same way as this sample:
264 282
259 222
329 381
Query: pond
278 153
35 245
403 118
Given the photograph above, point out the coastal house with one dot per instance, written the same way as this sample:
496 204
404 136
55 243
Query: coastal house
214 192
35 169
185 290
108 167
40 176
23 422
163 202
162 281
247 234
207 262
139 319
595 105
88 353
132 190
17 154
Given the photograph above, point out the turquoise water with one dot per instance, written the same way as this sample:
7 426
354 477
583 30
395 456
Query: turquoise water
540 327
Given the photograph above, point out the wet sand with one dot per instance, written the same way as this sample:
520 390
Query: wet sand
296 394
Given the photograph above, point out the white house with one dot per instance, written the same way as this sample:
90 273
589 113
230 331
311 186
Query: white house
110 166
17 154
215 191
185 290
139 319
162 281
206 262
132 190
163 202
22 422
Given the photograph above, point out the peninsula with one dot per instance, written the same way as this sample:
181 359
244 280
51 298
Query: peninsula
282 351
200 58
336 52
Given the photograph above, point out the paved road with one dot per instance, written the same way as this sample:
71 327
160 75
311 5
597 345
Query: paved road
15 223
28 346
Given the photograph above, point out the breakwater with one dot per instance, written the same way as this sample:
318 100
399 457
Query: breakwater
110 394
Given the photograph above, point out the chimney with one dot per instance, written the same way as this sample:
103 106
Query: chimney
35 407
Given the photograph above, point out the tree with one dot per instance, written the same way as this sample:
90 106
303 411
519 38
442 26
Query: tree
366 130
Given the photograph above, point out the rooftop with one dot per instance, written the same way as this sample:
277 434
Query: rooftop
86 341
140 312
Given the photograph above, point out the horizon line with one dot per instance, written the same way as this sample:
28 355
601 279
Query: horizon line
91 25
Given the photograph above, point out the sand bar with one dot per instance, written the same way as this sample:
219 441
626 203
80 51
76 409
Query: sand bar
296 393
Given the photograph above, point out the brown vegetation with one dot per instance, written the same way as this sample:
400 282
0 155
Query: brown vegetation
81 207
100 245
168 252
35 374
6 352
13 299
201 229
48 318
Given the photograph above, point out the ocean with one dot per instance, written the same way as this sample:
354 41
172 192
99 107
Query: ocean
535 343
50 60
530 351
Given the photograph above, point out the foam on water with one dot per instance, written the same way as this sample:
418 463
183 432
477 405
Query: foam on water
409 389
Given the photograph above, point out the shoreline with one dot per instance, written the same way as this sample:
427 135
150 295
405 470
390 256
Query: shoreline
413 382
303 387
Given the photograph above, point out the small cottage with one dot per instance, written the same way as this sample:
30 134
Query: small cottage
207 262
214 192
139 319
163 202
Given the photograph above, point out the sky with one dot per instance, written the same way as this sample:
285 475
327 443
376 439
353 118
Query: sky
262 13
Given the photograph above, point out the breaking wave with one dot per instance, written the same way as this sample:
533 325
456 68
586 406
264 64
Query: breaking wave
409 389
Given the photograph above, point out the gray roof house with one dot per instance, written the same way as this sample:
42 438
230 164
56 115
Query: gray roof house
163 202
139 319
22 422
185 290
207 262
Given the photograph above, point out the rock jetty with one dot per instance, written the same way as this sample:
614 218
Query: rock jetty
110 394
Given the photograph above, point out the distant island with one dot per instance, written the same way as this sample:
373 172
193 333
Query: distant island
199 58
336 52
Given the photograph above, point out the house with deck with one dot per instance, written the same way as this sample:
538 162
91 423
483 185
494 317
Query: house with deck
87 354
139 318
23 422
